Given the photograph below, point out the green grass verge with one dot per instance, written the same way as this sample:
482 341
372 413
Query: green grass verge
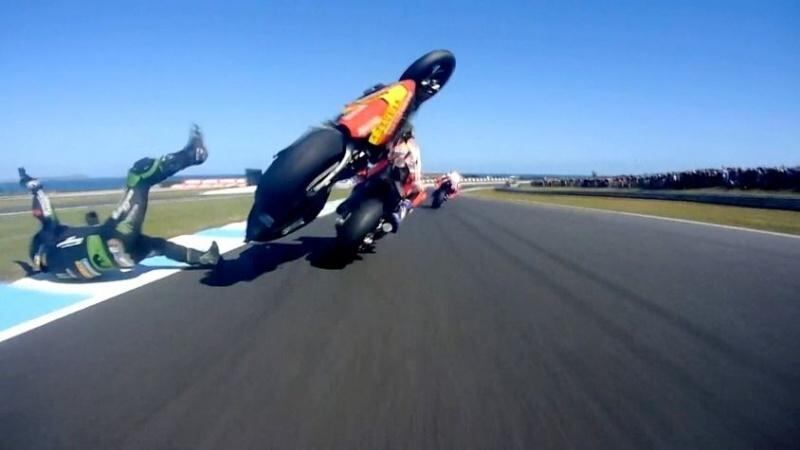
166 219
759 219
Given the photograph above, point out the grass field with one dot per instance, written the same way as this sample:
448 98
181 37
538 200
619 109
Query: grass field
67 200
167 219
759 219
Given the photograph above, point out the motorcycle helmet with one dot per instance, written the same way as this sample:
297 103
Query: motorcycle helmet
407 132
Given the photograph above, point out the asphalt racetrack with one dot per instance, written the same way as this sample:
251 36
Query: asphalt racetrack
481 325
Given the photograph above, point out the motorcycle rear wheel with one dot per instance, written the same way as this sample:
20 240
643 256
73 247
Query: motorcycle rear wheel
282 199
431 69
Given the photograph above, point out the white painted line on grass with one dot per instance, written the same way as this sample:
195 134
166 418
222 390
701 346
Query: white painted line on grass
233 190
191 198
65 208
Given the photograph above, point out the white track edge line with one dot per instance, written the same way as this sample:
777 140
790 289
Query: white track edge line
650 216
39 321
160 274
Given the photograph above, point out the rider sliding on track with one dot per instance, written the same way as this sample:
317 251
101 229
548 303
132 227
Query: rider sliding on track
88 252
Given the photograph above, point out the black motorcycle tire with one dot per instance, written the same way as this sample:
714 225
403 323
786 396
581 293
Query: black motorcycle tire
438 199
439 64
361 220
282 190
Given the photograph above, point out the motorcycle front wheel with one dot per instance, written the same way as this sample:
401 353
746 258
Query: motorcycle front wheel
438 198
359 222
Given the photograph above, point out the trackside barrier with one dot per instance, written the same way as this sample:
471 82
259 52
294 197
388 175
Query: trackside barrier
210 183
749 201
471 181
221 183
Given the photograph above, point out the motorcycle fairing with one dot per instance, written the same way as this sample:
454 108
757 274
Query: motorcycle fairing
377 116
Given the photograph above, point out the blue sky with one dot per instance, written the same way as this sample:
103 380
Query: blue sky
540 87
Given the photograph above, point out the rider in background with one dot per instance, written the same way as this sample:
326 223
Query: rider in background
87 252
452 177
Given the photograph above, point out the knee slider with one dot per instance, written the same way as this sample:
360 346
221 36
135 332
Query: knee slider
141 169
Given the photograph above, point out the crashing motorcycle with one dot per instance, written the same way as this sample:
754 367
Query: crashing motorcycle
296 186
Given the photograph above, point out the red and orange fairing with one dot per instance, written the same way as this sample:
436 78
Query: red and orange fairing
377 116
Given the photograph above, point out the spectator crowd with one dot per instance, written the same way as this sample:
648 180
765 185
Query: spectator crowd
762 178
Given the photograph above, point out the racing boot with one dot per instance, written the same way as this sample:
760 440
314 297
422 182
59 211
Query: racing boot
194 153
27 181
149 172
209 258
400 214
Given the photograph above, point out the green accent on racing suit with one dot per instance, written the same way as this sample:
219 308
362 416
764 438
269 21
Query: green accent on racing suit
125 227
78 252
134 178
98 253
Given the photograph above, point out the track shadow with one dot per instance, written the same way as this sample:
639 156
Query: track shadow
327 256
258 260
255 261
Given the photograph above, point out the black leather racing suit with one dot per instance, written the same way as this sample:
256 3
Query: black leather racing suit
87 252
